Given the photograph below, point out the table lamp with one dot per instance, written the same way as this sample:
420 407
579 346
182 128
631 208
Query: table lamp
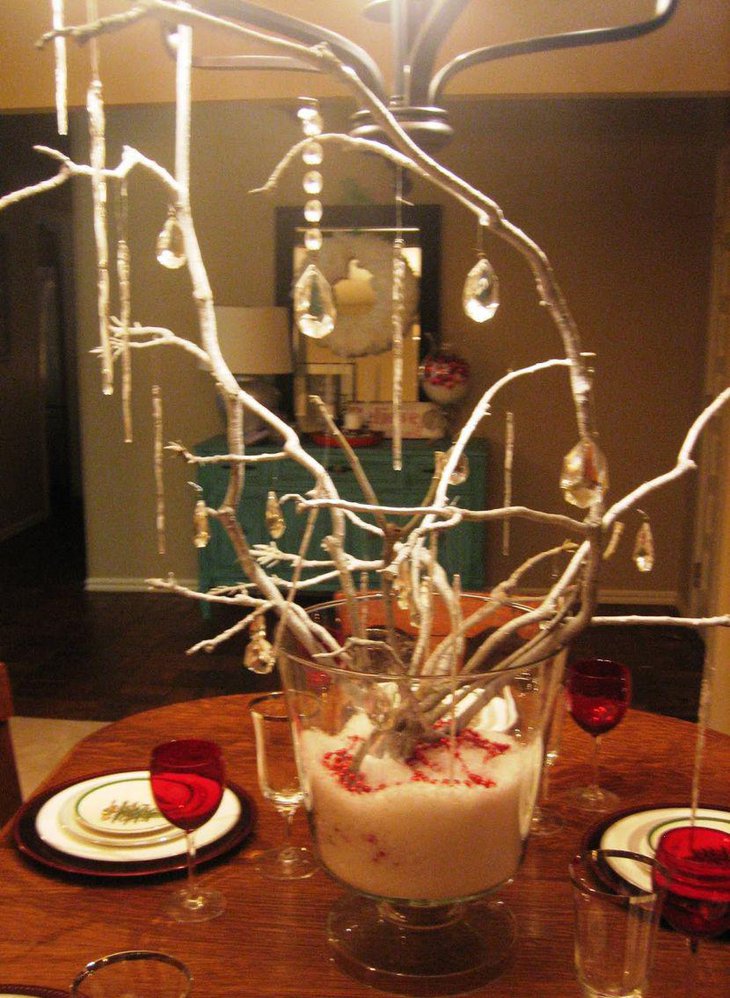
256 344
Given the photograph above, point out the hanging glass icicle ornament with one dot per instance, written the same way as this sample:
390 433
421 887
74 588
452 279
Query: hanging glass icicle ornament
584 478
644 546
61 71
509 450
274 517
314 305
481 287
259 655
201 531
170 243
125 305
159 476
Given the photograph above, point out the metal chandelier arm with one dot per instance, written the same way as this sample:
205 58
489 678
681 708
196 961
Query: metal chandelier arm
664 10
288 27
424 49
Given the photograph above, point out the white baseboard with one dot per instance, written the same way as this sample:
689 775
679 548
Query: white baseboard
125 585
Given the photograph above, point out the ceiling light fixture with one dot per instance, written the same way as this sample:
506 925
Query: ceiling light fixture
418 29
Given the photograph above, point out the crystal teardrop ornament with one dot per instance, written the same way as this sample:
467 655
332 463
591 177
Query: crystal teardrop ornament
459 474
259 655
314 307
402 586
644 548
201 533
171 245
584 478
275 523
481 291
313 153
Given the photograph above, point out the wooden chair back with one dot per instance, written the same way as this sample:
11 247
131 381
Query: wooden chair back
10 796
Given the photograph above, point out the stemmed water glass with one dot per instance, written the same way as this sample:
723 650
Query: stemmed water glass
279 782
545 820
187 777
693 867
598 693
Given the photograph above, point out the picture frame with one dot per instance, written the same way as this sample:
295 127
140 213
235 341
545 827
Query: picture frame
4 301
420 226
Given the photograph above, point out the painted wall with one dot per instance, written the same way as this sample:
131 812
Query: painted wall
689 55
620 195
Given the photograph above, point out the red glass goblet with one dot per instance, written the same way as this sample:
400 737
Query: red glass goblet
598 693
187 777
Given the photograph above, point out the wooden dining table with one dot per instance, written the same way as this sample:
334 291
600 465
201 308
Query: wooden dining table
271 940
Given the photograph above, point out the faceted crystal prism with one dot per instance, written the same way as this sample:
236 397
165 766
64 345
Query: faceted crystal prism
313 240
481 291
644 548
201 530
314 307
312 182
259 655
584 478
313 211
275 523
171 245
313 153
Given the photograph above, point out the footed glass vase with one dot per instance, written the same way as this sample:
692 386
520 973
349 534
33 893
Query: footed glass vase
419 782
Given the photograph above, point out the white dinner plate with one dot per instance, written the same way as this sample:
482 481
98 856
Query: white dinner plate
120 807
70 822
640 831
51 830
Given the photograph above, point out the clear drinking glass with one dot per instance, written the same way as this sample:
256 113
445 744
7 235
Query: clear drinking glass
279 780
137 973
617 912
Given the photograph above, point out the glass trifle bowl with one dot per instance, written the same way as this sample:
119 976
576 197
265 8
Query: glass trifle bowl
419 782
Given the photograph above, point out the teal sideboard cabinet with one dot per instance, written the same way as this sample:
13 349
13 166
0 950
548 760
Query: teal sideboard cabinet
460 550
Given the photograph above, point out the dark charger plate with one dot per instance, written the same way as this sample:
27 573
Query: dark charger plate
32 845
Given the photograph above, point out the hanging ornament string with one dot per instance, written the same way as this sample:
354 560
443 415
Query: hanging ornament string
509 449
398 312
480 296
643 554
61 68
314 307
97 155
159 474
123 282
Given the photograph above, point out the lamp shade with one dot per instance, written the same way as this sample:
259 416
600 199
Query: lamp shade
255 340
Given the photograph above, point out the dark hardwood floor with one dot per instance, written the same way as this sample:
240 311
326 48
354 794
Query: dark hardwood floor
101 656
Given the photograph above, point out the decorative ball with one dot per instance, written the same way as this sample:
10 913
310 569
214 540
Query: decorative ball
445 376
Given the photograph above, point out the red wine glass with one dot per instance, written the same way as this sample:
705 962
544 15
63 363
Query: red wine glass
694 871
598 693
187 777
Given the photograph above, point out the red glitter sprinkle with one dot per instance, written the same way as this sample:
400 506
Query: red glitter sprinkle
424 763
